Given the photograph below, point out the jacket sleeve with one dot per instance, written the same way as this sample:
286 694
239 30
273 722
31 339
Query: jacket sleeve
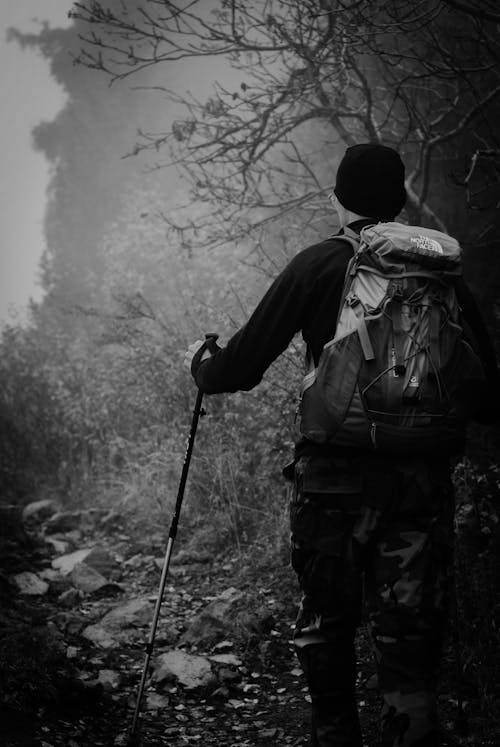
242 363
488 398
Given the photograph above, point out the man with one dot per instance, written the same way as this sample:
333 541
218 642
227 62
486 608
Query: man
360 521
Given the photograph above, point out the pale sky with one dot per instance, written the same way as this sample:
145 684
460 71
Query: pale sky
28 96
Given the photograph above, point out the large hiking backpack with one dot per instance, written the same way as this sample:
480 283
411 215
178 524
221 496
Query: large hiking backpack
390 378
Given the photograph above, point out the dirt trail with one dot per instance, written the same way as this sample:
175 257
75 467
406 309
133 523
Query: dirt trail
230 615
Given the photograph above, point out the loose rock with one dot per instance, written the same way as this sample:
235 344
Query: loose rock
101 560
109 679
65 563
50 575
59 546
40 510
30 583
86 578
136 612
70 598
63 521
110 521
190 670
102 636
187 557
114 627
228 659
215 619
156 702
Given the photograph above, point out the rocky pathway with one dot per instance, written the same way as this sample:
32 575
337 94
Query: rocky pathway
223 669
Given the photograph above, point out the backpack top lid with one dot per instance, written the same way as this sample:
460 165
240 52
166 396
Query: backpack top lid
423 246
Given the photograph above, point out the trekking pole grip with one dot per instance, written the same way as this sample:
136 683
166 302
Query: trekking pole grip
211 345
211 342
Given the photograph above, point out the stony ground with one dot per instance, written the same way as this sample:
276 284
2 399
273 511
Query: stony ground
223 669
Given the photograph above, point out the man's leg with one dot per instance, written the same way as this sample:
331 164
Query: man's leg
406 594
322 525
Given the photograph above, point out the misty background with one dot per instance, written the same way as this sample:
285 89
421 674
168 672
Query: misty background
58 117
29 95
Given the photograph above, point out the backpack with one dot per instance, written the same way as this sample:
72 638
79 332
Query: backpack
391 377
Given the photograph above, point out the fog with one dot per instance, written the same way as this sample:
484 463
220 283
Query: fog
88 146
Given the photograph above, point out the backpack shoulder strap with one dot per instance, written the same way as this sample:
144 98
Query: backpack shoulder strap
354 241
352 238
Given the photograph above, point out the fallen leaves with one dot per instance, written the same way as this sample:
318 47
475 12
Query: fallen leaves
223 674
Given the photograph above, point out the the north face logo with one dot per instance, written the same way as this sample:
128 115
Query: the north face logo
426 244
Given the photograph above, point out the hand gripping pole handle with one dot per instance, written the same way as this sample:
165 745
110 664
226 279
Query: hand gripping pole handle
210 342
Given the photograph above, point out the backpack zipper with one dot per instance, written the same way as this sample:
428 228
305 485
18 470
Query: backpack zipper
373 435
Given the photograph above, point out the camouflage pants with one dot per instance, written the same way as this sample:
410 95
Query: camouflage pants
378 532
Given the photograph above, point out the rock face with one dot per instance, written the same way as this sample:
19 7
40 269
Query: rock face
189 670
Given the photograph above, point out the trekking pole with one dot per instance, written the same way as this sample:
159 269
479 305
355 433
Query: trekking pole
198 412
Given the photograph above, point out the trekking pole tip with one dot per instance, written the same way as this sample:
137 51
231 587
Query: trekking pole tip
133 739
127 739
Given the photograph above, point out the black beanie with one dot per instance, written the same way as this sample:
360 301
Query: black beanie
370 181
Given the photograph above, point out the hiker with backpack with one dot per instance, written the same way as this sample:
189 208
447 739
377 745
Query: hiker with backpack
398 360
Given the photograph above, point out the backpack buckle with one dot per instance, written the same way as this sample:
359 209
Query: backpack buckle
352 300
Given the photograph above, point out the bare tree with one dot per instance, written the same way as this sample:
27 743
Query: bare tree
313 76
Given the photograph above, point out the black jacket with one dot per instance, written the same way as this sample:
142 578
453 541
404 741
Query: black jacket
306 297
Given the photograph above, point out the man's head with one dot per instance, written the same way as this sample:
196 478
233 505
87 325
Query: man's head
370 182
